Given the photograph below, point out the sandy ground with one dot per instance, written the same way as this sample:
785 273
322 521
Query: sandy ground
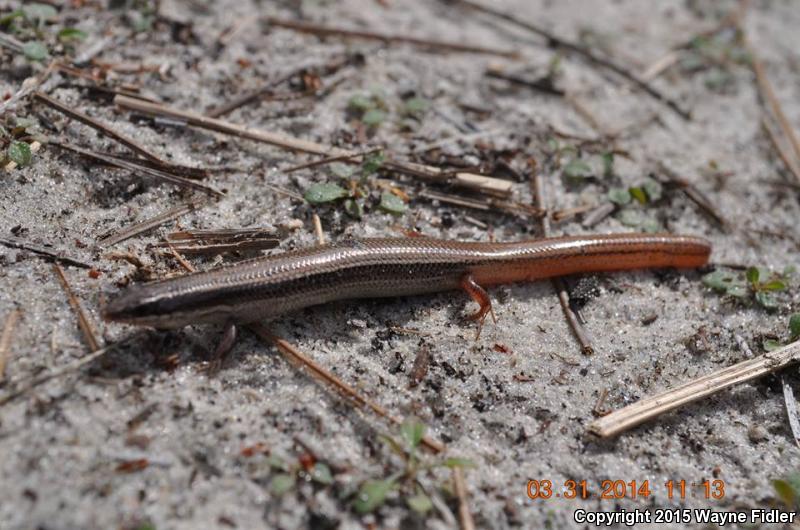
519 414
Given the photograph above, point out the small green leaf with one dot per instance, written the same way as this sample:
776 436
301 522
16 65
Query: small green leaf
420 503
413 430
34 50
39 12
653 189
323 192
146 526
322 474
71 34
752 275
394 445
794 325
721 280
554 66
415 106
577 170
361 103
651 226
141 22
773 285
342 171
281 483
766 300
20 152
373 117
6 20
718 79
372 495
638 194
608 164
619 196
738 291
630 217
770 345
458 462
23 122
372 163
354 208
276 462
788 490
391 203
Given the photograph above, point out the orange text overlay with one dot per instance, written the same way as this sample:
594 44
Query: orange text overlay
545 489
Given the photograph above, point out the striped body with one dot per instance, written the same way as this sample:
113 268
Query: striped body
271 286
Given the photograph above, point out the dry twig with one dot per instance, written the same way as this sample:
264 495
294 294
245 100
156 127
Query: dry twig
649 408
693 194
5 339
135 168
299 358
320 30
460 487
220 241
318 229
100 127
786 157
15 242
149 224
768 94
791 410
88 330
558 284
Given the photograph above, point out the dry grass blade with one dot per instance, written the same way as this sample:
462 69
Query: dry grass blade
220 241
331 159
786 157
791 410
543 84
149 224
15 242
325 69
483 204
188 267
694 195
460 487
648 408
218 125
197 173
558 284
299 358
96 125
768 94
135 168
89 333
317 29
596 215
5 339
318 229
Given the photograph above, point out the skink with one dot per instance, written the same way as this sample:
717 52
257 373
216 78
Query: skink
267 287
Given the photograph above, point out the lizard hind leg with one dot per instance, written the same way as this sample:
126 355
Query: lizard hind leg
479 295
223 348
